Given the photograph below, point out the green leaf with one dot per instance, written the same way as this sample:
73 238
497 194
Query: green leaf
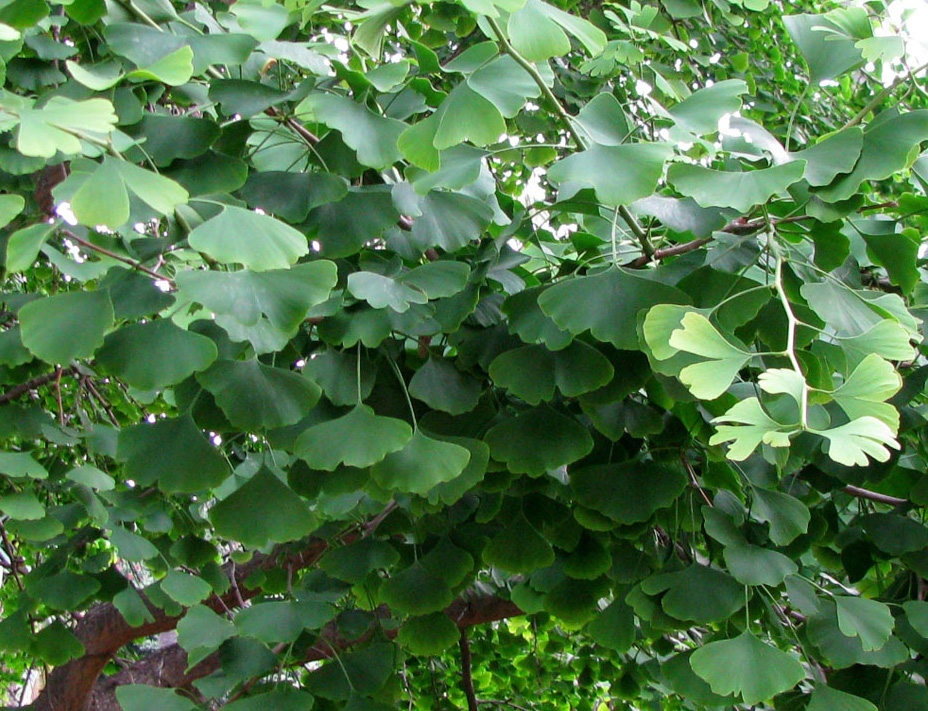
373 137
64 590
739 191
518 548
827 55
709 379
869 620
132 546
422 464
614 627
185 588
533 372
504 83
627 493
10 207
141 697
255 396
358 439
22 505
173 69
442 386
282 621
258 242
534 35
132 607
115 179
292 195
59 124
751 426
263 509
699 593
172 452
282 698
282 296
244 98
21 464
428 635
788 516
619 175
23 246
898 253
863 393
530 323
61 328
606 304
153 355
57 645
380 291
832 156
894 534
889 146
415 591
437 279
824 698
753 565
852 443
700 112
354 562
538 440
916 612
747 667
602 121
92 477
466 116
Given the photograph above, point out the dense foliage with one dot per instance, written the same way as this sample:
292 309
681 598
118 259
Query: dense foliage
443 354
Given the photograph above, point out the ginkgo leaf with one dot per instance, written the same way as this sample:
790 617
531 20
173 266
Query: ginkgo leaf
709 379
869 620
421 465
887 339
824 698
788 516
747 667
851 443
538 440
753 565
240 236
783 381
619 175
739 191
381 291
59 125
752 425
865 390
357 439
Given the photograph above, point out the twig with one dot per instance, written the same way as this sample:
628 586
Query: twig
873 496
876 100
304 132
118 257
372 525
30 385
502 702
567 120
467 679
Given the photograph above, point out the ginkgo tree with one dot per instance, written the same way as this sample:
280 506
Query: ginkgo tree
435 355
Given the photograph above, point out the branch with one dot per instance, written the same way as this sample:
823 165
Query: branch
30 385
874 496
166 667
119 258
103 630
467 678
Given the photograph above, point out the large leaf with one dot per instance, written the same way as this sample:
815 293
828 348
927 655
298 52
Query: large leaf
606 304
630 492
538 440
420 465
747 667
870 620
156 354
258 242
372 136
740 191
63 327
619 175
255 396
263 509
357 439
533 372
827 54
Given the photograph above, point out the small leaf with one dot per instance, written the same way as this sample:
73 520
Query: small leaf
185 588
852 443
627 493
416 591
354 562
753 565
282 621
380 291
466 116
201 631
533 372
824 698
442 386
22 506
752 425
748 667
710 379
865 390
141 697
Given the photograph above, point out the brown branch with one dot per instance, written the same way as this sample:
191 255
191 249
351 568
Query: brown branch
30 385
118 257
467 678
873 496
167 667
299 128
